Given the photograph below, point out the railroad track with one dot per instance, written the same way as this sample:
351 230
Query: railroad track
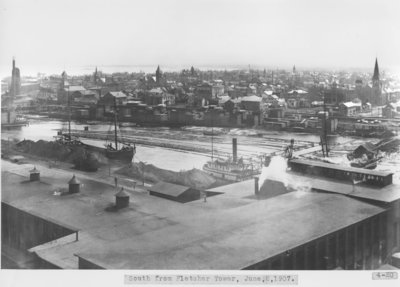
222 145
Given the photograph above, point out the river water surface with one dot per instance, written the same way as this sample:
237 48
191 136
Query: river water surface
251 143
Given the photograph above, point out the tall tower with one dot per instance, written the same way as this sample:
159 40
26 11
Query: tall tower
15 80
64 82
376 85
294 77
95 76
375 77
158 75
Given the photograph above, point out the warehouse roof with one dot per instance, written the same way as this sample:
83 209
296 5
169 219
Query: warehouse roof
341 167
168 235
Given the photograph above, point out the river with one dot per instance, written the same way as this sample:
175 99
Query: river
251 143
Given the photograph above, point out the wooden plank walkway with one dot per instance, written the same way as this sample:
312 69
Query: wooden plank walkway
306 151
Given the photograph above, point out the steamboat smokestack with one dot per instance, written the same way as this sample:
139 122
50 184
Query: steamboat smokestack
234 148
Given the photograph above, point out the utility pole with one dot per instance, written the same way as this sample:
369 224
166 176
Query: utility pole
323 136
212 136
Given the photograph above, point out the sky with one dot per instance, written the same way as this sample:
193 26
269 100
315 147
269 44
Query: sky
209 33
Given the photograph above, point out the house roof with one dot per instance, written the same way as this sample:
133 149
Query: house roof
224 99
117 94
87 92
297 92
394 105
350 104
368 146
156 91
74 88
251 99
169 188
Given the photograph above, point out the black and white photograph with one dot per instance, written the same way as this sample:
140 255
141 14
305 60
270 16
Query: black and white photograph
212 142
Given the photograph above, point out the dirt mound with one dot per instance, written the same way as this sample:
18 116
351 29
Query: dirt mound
194 178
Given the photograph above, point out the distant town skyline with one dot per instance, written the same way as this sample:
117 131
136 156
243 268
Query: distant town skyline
220 33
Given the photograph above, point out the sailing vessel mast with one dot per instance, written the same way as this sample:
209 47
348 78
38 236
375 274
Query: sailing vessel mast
69 114
212 136
115 124
126 152
324 137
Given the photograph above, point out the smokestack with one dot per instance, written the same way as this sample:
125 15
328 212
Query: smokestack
74 185
34 174
256 189
234 148
121 199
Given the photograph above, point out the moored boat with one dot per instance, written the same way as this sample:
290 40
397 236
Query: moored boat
119 151
232 169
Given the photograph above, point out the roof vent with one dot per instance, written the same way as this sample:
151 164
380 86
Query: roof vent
34 174
121 199
74 185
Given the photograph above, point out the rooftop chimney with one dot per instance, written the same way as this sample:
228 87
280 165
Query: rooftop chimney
256 189
121 199
34 174
234 149
74 185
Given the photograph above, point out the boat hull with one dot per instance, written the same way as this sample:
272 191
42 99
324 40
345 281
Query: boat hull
124 155
230 176
13 125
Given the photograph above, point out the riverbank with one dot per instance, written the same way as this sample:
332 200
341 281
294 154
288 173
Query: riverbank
106 173
55 155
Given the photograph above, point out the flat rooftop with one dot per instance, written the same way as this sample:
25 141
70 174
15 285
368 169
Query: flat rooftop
232 230
341 167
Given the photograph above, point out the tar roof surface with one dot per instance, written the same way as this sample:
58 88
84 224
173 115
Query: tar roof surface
341 167
169 188
155 233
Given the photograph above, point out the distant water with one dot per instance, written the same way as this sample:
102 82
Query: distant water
33 71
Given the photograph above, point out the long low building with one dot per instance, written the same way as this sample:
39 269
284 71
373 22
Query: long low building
235 229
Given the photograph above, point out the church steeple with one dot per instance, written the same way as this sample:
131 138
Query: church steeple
377 86
95 76
158 75
375 77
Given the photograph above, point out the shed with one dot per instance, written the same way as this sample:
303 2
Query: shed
175 192
367 148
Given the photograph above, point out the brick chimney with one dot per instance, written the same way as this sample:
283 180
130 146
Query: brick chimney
256 188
